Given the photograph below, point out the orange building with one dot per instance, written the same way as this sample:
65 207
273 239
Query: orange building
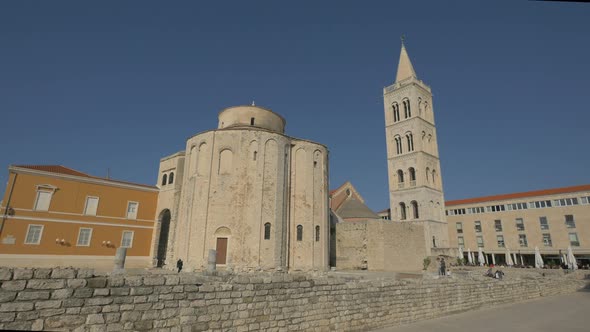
57 216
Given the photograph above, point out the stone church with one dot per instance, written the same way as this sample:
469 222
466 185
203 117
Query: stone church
255 195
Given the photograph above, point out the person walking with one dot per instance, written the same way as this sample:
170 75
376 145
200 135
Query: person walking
443 267
179 264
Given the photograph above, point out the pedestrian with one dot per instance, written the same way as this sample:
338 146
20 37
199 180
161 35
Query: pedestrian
179 265
443 267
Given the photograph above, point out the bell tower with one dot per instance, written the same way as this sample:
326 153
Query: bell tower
415 180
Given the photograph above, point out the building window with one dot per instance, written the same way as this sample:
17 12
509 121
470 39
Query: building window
164 179
547 240
478 226
543 222
498 225
574 242
317 234
461 241
127 239
91 206
396 117
251 121
171 178
500 239
43 199
415 209
132 210
398 144
402 210
84 236
400 176
410 139
459 226
34 233
267 231
566 201
480 242
522 240
586 200
407 110
299 233
519 224
569 221
412 172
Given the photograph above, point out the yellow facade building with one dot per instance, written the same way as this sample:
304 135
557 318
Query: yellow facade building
551 220
57 216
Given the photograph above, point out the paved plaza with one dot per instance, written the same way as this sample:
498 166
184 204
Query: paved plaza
558 313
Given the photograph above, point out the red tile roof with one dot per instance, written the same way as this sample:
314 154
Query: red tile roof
544 192
59 169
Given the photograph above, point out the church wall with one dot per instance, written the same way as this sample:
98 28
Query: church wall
395 246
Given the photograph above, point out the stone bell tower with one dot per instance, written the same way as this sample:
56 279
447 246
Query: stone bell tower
415 181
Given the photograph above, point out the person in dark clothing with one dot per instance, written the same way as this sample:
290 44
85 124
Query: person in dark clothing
443 267
179 264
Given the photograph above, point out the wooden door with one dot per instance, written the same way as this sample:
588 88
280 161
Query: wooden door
221 250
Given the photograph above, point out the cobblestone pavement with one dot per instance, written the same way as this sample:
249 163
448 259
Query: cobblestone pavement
562 313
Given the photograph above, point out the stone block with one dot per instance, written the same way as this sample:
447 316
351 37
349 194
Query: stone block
63 321
14 326
63 274
111 308
5 273
85 273
112 317
51 304
7 296
77 283
14 285
37 325
99 282
27 315
101 291
60 294
22 274
150 315
144 325
42 273
7 317
94 319
27 296
73 311
172 280
120 291
51 312
141 290
90 310
45 284
154 281
134 281
83 292
16 306
68 303
114 327
130 316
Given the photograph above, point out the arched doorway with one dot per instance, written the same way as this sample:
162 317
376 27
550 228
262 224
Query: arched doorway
164 220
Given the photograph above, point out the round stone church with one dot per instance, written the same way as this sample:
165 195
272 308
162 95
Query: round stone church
255 195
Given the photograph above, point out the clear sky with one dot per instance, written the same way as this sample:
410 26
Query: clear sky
120 84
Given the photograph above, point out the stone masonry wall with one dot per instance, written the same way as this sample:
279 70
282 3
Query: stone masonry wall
68 299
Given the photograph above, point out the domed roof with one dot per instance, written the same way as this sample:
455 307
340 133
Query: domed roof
251 116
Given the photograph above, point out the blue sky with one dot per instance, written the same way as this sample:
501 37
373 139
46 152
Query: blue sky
120 84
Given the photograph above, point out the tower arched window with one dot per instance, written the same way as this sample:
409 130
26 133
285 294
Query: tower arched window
317 233
407 110
412 172
398 144
433 176
427 175
395 108
165 179
299 233
400 176
415 209
171 178
402 211
410 139
267 231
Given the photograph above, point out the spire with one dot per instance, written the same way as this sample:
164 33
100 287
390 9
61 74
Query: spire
404 68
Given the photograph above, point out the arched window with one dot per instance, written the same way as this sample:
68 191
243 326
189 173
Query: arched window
407 111
398 144
433 177
317 234
427 174
415 209
171 178
225 162
420 106
299 233
412 172
410 139
395 108
164 179
267 231
402 211
254 155
400 176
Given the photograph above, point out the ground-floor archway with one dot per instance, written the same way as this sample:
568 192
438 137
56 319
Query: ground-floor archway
164 220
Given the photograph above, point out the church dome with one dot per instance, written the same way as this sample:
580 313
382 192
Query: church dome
251 116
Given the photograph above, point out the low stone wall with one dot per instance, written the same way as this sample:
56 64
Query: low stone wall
68 299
